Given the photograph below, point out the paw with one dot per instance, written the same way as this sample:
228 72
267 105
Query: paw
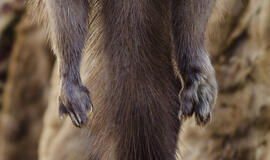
74 101
199 97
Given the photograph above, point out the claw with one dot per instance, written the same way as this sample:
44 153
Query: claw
79 118
202 120
74 119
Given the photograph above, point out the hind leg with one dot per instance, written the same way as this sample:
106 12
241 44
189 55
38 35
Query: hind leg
189 19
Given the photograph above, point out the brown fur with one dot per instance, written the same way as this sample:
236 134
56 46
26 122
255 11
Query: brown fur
130 73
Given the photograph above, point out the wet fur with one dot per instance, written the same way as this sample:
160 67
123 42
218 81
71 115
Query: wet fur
130 74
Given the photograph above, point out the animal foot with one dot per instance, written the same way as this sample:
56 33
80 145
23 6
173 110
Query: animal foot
74 100
199 97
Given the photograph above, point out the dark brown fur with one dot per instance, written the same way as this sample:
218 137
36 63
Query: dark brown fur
136 104
189 19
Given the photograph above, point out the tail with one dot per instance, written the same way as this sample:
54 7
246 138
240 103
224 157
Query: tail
141 94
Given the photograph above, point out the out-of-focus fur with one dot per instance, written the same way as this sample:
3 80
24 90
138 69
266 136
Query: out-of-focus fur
25 93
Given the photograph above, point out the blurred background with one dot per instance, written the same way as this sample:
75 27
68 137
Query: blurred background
238 40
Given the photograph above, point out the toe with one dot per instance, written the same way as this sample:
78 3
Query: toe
202 109
188 97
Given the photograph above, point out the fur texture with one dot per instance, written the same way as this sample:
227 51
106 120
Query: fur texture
133 83
189 19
